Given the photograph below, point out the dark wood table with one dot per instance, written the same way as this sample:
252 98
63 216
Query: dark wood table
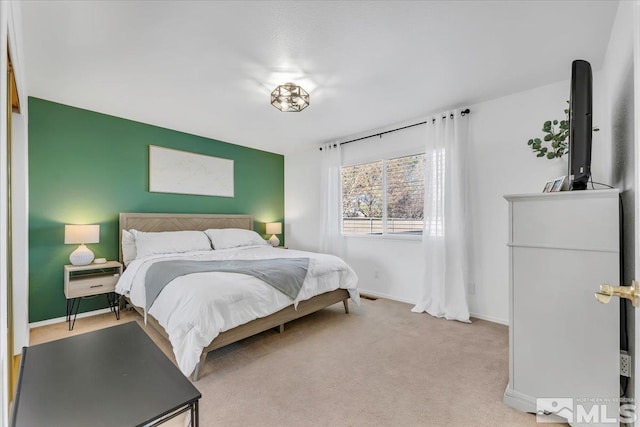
113 377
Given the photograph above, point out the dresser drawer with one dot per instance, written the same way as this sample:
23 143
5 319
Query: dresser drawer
91 285
566 222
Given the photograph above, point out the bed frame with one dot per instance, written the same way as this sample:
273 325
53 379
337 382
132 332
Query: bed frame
201 222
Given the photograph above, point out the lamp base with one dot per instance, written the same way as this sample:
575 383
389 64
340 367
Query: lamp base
81 256
274 240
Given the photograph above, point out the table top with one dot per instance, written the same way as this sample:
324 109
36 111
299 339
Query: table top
111 377
93 266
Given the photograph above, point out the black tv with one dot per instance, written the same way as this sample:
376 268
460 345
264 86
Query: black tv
580 127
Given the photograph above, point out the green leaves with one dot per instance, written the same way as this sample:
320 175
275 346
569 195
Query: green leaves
556 132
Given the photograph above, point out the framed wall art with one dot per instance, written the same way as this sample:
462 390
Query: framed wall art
183 172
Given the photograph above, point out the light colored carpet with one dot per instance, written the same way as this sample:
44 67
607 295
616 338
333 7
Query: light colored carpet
380 365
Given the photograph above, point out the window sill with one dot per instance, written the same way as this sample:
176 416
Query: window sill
415 238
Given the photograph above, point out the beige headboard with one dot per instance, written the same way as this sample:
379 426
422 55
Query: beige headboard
179 222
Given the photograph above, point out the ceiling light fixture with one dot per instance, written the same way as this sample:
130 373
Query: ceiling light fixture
289 97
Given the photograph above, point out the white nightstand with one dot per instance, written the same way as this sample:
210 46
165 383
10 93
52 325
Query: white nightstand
82 281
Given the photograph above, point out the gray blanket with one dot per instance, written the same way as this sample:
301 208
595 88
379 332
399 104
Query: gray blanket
284 274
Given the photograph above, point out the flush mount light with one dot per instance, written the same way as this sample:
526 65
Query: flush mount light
289 97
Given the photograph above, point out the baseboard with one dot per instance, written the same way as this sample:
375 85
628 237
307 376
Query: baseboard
64 318
490 319
394 298
14 374
519 401
385 296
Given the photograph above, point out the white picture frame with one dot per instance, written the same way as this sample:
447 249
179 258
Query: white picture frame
184 172
558 184
547 187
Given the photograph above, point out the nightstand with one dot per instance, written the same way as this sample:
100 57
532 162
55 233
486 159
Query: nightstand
81 281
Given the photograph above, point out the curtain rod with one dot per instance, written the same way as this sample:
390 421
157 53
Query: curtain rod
463 112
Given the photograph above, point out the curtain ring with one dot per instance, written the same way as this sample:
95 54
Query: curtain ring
451 115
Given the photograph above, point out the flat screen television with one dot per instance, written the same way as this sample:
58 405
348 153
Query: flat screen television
580 127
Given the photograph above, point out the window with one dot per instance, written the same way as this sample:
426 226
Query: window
384 197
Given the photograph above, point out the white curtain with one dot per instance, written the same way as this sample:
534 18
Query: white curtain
446 241
331 240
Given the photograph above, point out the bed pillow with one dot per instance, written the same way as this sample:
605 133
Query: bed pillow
168 242
128 246
225 238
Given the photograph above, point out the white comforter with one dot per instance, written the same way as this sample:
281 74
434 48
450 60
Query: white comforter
195 308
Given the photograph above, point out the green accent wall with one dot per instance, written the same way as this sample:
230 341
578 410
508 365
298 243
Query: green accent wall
86 168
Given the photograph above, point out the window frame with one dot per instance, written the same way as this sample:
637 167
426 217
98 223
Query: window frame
384 234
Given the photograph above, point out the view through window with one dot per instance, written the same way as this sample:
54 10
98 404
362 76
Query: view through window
384 197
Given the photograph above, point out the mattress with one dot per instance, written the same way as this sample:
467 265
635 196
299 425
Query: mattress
195 308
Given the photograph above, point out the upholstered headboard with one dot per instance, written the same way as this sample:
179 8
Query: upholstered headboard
179 222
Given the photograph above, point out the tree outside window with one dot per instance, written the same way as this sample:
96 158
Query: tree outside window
384 197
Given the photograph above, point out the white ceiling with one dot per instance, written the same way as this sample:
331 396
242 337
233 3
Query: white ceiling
208 68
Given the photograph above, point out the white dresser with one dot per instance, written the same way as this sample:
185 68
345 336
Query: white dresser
562 342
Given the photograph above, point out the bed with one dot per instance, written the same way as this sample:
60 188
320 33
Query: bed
240 305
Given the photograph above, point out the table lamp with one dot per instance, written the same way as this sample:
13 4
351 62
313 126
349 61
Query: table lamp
274 228
74 234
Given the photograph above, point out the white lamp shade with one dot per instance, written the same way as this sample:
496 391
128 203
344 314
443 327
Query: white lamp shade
274 228
79 234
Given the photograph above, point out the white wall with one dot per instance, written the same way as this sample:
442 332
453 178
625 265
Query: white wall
502 163
618 71
302 200
4 384
20 186
387 266
10 34
20 218
618 74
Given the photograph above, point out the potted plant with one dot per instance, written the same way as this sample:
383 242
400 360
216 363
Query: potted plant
554 144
